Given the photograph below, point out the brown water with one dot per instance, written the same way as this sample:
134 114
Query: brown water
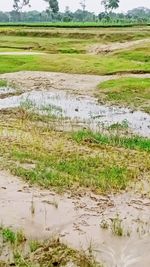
41 213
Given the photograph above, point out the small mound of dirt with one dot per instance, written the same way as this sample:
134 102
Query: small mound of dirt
98 48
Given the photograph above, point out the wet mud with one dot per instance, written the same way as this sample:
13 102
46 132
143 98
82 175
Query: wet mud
78 220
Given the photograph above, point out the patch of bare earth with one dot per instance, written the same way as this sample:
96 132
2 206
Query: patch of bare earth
107 48
72 83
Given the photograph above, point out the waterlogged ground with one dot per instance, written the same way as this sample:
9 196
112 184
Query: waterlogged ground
82 109
97 194
79 221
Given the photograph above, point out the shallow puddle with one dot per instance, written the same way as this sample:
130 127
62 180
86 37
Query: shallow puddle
42 213
81 109
6 90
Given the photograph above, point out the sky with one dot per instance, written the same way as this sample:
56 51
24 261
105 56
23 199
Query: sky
92 5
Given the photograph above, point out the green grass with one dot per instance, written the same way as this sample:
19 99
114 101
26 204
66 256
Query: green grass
117 228
83 64
133 143
76 171
119 126
140 53
51 45
33 253
104 164
8 235
132 92
66 44
87 35
67 50
3 83
12 237
100 163
125 23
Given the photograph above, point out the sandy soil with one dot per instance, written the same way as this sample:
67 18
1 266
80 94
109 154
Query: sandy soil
74 83
98 48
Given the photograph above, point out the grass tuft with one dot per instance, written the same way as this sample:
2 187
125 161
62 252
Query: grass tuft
3 83
135 142
132 92
51 252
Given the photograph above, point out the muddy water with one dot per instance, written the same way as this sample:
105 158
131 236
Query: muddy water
41 213
83 109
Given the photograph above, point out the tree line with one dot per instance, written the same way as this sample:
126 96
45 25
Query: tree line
52 13
53 5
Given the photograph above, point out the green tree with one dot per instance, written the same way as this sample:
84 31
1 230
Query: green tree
113 4
19 4
109 5
53 5
140 13
83 4
105 4
67 15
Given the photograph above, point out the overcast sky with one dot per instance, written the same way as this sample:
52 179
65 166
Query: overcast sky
92 5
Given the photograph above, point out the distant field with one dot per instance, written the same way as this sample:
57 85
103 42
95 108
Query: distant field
68 50
96 34
76 24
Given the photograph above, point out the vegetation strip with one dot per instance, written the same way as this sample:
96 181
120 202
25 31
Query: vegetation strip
3 83
32 253
75 24
80 64
63 163
68 51
135 142
133 92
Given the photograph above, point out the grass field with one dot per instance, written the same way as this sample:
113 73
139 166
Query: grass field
133 92
67 50
82 64
99 162
127 23
101 35
83 168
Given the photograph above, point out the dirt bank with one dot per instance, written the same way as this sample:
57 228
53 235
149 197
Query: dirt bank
74 83
98 48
